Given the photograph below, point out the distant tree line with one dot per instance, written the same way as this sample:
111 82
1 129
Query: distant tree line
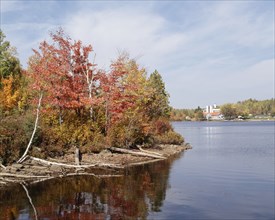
249 108
187 114
246 109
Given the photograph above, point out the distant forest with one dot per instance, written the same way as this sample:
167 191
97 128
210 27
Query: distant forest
250 108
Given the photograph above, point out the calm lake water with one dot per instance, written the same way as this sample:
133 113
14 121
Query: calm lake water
229 174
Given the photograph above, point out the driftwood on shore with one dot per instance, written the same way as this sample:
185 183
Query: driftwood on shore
1 165
150 152
75 166
20 176
112 161
143 154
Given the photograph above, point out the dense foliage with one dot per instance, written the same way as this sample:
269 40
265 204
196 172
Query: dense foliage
187 114
249 108
82 105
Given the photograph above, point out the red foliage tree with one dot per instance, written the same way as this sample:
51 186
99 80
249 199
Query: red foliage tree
62 70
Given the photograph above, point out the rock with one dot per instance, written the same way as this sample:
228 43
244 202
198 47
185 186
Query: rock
188 146
18 166
105 152
55 168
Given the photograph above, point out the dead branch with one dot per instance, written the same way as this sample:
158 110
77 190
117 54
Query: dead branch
41 180
150 152
5 179
2 166
92 174
143 154
144 162
20 175
75 166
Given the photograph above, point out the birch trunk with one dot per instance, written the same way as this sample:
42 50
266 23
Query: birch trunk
34 130
77 156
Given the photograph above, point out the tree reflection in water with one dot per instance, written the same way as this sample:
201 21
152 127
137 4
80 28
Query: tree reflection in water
140 191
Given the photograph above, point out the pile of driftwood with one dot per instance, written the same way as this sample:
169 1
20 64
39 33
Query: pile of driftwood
32 169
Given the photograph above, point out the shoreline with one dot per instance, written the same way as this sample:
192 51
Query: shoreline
246 120
104 164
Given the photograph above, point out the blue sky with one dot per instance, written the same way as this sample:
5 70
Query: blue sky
208 52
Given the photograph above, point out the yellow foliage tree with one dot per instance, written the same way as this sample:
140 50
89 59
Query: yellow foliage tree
9 95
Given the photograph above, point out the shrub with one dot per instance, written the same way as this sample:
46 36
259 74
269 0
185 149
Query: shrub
161 126
15 133
170 137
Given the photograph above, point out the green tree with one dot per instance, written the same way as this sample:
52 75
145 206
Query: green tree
9 63
159 97
229 111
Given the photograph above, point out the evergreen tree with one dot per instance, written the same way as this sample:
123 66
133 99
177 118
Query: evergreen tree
159 97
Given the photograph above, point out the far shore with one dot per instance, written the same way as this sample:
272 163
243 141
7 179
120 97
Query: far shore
234 120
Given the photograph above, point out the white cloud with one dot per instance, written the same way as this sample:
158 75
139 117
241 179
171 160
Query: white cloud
7 6
141 33
219 52
255 81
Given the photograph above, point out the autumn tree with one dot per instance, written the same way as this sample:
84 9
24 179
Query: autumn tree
123 92
10 75
63 70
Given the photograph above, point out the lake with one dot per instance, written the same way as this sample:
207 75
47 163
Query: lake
229 174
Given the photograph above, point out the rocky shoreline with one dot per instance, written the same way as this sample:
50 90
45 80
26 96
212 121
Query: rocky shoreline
104 164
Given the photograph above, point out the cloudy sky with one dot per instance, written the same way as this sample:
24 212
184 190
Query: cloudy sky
208 52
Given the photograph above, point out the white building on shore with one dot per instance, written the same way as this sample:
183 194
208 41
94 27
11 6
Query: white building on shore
212 112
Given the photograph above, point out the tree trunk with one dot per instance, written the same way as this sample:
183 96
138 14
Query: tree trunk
60 116
34 130
77 156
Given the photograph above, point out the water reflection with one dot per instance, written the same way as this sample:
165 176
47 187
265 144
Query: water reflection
140 191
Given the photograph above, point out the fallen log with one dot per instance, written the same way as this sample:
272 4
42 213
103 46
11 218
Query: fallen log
75 166
150 152
20 175
5 179
92 174
143 162
143 154
2 166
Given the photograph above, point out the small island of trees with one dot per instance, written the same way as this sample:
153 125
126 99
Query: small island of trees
63 100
